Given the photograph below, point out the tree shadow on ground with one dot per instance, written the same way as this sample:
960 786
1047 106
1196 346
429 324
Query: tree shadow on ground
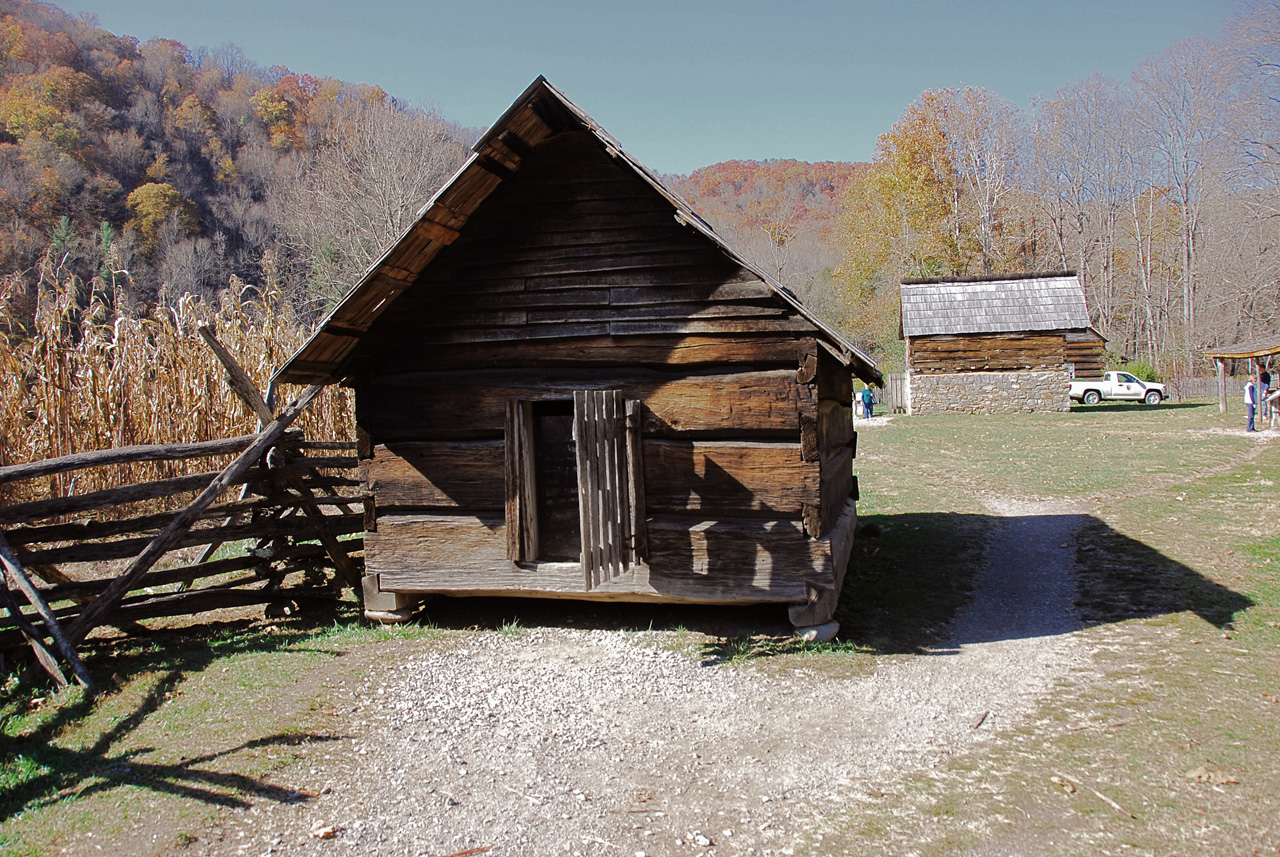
906 589
909 578
1120 578
37 769
1106 407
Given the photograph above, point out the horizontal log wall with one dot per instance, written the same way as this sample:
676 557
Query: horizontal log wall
691 559
1088 356
575 275
472 404
987 352
730 477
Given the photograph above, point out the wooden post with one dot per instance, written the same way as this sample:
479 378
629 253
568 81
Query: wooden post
1222 386
13 572
43 653
242 385
238 379
96 613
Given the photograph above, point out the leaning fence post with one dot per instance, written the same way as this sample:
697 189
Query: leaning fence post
13 571
96 612
242 385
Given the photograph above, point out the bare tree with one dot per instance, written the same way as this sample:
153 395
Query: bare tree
985 132
1254 40
373 167
1185 104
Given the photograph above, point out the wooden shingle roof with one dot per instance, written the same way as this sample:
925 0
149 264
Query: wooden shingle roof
538 114
989 305
1255 348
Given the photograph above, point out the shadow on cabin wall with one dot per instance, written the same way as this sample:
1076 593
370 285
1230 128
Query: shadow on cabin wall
734 541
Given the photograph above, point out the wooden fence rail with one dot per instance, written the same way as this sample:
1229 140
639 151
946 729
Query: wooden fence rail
269 535
126 455
120 566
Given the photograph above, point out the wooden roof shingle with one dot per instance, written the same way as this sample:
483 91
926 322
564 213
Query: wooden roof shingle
1265 347
1050 302
539 113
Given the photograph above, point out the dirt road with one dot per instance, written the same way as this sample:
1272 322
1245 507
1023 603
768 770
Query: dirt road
544 741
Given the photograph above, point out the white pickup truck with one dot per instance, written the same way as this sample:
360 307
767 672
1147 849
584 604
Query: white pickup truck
1117 385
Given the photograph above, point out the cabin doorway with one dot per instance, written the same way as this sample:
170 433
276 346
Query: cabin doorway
574 484
555 479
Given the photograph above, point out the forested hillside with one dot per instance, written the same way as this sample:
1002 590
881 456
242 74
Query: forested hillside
782 214
147 188
150 166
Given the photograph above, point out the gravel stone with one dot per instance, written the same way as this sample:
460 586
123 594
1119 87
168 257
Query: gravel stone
551 741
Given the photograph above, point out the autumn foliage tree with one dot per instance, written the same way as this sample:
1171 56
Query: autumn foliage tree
1160 192
184 155
156 205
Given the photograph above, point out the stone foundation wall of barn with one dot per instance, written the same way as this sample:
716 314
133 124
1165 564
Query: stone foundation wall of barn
1040 391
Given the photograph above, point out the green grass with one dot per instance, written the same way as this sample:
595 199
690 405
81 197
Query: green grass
1089 453
182 723
1183 615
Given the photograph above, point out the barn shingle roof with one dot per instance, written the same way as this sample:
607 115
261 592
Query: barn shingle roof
1054 302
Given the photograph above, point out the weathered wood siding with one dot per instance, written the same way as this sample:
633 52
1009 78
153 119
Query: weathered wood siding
987 352
575 276
836 438
1087 352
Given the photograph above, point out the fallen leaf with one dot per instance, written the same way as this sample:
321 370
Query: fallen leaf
1203 774
327 831
1066 786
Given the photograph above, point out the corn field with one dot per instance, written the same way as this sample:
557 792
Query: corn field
77 374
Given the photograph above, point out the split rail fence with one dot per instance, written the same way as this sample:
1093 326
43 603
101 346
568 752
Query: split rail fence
146 550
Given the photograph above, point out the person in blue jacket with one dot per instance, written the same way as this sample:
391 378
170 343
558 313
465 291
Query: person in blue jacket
868 402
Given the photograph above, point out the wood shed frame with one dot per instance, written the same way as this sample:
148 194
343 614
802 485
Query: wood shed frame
997 344
584 392
1255 351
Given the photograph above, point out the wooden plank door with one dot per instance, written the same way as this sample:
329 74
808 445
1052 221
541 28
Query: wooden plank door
522 506
610 496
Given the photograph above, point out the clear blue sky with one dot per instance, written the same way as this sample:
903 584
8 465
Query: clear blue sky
686 83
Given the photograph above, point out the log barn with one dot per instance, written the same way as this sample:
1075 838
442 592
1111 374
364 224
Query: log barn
1006 344
568 385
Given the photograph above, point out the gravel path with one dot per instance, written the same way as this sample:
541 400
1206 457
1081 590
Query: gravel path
566 741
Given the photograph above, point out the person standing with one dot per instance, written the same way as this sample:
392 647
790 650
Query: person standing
868 402
1250 403
1264 387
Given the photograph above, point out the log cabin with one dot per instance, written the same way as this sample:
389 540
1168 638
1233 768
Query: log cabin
568 385
1006 344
